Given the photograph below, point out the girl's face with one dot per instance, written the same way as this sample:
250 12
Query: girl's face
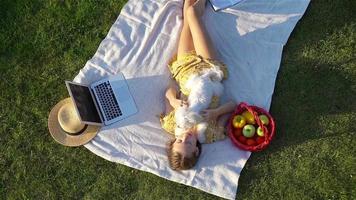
186 144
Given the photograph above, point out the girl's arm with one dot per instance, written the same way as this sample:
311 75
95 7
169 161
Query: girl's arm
172 96
226 108
172 90
214 114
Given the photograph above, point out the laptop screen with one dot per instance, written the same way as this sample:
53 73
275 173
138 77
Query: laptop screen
84 103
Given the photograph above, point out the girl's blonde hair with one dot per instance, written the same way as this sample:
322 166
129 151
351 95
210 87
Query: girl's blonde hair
177 161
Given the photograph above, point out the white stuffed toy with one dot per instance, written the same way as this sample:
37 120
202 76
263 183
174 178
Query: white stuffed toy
202 88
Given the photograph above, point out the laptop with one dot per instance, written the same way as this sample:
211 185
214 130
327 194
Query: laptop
104 102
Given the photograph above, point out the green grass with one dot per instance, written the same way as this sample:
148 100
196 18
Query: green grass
43 43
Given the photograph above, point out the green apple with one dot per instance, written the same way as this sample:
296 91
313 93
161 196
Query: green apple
264 119
260 131
248 131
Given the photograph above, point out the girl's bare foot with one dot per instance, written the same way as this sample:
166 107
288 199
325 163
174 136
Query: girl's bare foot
187 4
199 7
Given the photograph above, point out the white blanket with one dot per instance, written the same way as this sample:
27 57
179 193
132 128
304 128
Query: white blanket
249 38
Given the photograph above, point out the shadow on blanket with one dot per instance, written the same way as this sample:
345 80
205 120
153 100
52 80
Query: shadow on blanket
265 22
235 21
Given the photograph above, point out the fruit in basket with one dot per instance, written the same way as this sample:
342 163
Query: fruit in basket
264 119
238 121
260 140
260 131
248 131
250 119
242 139
237 132
250 142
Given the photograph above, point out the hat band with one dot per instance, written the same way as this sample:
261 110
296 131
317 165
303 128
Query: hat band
77 133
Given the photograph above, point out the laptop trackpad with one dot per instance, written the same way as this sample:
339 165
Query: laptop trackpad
122 94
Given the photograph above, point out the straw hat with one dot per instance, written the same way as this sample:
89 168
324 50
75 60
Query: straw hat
65 126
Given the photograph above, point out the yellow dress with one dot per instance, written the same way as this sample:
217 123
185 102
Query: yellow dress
181 70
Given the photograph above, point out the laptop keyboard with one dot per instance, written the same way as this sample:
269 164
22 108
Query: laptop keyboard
107 100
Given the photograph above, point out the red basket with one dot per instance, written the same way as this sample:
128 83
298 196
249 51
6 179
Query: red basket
267 129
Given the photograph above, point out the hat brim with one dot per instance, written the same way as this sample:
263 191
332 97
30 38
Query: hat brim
60 136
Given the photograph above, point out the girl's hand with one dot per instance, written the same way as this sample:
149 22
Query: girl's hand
176 103
184 104
210 114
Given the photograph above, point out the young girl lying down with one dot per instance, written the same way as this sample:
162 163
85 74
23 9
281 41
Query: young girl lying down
196 55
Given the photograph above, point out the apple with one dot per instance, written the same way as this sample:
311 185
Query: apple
250 142
248 131
238 121
242 139
250 119
260 131
237 132
264 119
260 140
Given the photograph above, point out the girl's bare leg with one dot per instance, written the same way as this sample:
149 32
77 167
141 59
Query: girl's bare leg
185 44
202 42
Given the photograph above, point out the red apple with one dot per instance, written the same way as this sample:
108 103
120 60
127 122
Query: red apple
250 142
237 132
242 139
260 140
